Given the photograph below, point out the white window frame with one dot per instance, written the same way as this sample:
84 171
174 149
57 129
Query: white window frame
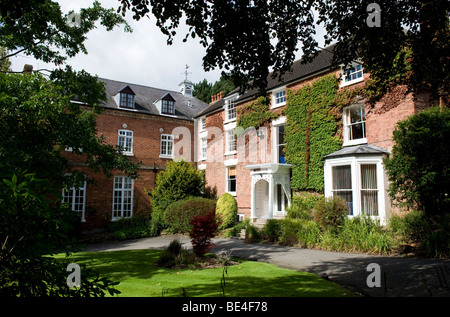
202 123
279 101
346 120
344 74
122 191
167 139
355 163
230 105
230 141
125 135
227 179
203 148
276 123
73 192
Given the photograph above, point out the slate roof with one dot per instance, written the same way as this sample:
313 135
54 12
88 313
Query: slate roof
365 149
322 62
145 97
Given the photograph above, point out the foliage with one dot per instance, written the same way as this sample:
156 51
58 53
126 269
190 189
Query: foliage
204 228
39 122
179 180
330 212
204 90
175 255
250 37
431 234
131 228
311 131
255 114
179 214
34 225
5 64
419 167
39 28
226 211
302 205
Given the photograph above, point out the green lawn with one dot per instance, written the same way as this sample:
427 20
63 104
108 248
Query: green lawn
139 277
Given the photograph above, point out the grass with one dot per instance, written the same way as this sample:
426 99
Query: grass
139 277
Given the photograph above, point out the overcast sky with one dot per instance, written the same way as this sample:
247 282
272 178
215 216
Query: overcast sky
141 57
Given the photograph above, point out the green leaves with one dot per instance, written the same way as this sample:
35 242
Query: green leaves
311 131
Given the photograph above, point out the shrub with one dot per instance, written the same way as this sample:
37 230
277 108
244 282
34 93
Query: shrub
302 205
290 231
131 228
226 211
179 214
252 234
418 168
273 229
330 212
180 180
204 228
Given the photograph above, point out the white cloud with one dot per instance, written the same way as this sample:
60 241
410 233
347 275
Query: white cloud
142 57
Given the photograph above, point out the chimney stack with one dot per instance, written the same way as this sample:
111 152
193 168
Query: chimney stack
27 69
217 97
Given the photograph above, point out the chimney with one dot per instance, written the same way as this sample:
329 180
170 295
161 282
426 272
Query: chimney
27 69
216 97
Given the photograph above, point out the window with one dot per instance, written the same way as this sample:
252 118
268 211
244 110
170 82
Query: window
203 148
203 124
369 190
166 145
280 198
353 73
230 142
354 125
126 141
122 197
231 180
126 100
278 97
168 107
75 198
280 143
231 109
342 185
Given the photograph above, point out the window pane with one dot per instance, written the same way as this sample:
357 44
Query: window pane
342 185
231 179
369 192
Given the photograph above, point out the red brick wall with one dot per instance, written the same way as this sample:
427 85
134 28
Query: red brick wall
146 149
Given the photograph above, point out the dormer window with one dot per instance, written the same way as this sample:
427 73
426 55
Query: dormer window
167 105
126 98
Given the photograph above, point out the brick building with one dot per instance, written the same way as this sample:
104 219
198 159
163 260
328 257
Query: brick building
254 170
152 126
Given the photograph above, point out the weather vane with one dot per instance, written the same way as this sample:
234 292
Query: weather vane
186 73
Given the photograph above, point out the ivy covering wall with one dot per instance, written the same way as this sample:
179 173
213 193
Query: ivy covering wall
312 131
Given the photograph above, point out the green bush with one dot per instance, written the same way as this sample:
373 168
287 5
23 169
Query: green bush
178 181
330 212
179 214
302 205
131 228
418 168
273 229
226 211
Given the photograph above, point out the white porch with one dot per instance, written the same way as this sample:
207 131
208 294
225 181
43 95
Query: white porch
270 190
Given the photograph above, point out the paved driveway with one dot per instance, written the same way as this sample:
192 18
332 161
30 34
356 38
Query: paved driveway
398 276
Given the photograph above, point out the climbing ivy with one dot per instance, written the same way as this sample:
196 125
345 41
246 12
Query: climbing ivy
255 114
312 130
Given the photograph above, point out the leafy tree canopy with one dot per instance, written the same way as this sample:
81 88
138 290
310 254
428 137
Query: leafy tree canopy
247 38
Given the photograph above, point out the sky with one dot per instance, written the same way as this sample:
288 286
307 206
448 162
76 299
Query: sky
141 57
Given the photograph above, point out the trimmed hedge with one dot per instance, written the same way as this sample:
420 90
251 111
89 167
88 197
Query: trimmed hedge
226 211
178 215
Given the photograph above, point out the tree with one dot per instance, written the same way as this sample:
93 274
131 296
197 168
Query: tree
249 37
204 90
419 166
4 62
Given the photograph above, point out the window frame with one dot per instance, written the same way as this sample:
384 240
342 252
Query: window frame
349 71
124 100
346 120
228 180
203 148
230 106
125 138
73 203
356 162
164 149
120 213
167 105
229 141
275 99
